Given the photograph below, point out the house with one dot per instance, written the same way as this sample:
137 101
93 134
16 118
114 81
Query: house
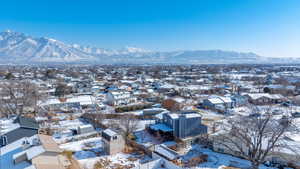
35 152
113 142
23 127
173 104
186 126
296 100
219 103
280 89
165 152
85 129
153 111
43 153
69 103
264 98
67 129
118 98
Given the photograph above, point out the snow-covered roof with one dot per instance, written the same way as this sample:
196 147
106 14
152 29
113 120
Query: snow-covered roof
192 115
174 115
85 126
226 99
83 100
7 125
110 132
34 151
178 99
215 100
119 92
255 96
166 152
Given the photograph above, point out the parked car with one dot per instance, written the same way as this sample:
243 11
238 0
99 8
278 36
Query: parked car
286 104
255 115
296 115
276 112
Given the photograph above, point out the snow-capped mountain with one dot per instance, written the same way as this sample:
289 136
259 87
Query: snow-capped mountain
20 48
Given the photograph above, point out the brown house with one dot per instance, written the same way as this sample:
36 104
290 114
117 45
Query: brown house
173 104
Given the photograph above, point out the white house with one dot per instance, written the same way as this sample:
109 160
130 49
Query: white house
219 103
118 98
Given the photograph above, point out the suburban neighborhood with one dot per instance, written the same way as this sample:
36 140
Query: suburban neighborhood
149 117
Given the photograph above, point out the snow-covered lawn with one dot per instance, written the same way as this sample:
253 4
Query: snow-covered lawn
145 138
120 158
83 149
90 143
210 115
143 123
217 160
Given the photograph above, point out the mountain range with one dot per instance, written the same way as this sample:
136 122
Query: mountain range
16 47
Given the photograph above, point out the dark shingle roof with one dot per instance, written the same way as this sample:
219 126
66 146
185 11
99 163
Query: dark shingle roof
27 122
17 134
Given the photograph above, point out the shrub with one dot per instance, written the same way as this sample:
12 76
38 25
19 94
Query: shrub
68 154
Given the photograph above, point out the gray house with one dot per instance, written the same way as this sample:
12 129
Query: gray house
219 103
183 125
27 128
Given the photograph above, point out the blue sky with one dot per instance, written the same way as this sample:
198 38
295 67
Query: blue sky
266 27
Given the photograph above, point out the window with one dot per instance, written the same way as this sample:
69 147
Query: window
4 140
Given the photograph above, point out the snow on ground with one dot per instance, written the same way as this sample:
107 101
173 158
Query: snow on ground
210 115
7 125
145 138
68 124
245 111
95 142
216 160
241 111
119 158
137 112
141 124
84 149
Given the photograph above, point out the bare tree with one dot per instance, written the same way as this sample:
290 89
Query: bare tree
16 96
255 137
62 89
128 125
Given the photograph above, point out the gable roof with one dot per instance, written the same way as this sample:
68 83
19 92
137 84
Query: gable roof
49 144
166 152
17 134
256 96
26 122
110 132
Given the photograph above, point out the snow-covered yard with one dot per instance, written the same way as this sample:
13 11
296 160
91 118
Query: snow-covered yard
145 138
217 160
95 142
83 149
117 159
89 151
